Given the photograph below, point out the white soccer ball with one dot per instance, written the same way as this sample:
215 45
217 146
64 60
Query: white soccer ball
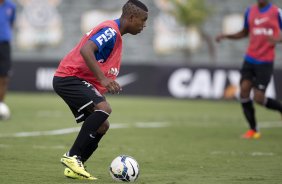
4 112
124 168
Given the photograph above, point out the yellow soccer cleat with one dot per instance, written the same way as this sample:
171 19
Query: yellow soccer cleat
70 174
257 135
74 163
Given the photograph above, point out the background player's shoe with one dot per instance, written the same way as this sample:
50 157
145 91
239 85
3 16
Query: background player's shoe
70 174
251 134
74 163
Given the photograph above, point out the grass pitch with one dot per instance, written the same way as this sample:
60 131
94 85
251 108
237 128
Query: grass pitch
174 141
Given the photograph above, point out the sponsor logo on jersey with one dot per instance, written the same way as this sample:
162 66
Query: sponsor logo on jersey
263 31
259 21
101 61
114 71
106 36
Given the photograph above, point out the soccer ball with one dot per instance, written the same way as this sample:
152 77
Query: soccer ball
4 112
124 168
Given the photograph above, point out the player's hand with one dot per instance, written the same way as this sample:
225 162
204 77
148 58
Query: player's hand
274 40
220 37
111 85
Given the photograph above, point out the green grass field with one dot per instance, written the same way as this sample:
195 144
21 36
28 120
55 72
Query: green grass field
174 141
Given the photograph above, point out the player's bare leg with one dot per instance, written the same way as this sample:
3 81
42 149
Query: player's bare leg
248 109
3 87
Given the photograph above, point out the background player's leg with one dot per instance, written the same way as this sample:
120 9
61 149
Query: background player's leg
273 104
264 73
5 66
267 102
3 87
93 145
247 104
89 128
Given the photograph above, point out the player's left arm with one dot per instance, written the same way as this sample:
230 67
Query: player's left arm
276 40
87 52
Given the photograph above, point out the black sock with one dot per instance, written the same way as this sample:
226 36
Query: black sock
92 146
273 104
249 112
87 132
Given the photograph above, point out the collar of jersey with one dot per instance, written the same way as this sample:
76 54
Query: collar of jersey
266 8
118 22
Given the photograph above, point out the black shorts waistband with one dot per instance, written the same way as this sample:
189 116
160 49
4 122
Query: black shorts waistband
4 42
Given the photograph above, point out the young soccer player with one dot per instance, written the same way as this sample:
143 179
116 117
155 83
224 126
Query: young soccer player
263 23
86 73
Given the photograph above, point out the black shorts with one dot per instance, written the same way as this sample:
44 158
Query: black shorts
80 96
5 59
259 74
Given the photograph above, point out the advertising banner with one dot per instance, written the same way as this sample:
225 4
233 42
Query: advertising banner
152 80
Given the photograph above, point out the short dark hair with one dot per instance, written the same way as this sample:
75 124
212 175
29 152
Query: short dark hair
133 7
139 4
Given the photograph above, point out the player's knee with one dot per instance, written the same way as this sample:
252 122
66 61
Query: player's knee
104 106
259 98
106 126
244 94
245 87
107 109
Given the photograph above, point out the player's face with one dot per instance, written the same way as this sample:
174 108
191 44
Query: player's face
263 2
138 22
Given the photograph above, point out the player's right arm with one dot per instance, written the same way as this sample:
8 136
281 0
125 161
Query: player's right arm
87 52
241 34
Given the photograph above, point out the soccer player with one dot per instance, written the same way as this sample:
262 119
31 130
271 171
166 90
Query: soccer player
263 25
86 73
7 19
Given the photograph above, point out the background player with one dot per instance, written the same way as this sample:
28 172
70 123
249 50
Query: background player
7 19
89 71
262 25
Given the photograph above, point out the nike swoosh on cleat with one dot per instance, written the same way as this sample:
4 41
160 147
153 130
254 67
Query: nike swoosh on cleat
133 169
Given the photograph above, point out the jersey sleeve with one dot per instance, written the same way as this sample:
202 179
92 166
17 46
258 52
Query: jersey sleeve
280 18
246 18
105 37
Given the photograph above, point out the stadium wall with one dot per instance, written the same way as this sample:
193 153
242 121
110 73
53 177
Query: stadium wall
178 81
53 32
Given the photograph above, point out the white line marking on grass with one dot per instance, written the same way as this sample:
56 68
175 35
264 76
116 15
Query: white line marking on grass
76 129
261 154
48 114
151 124
49 147
52 132
236 153
4 146
118 125
274 124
